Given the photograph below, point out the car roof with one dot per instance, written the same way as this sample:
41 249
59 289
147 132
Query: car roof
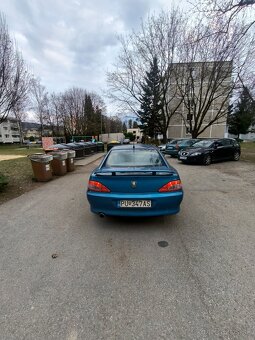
134 147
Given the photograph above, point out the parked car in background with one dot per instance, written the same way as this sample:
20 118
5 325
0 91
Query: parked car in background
134 180
207 151
126 141
162 147
176 145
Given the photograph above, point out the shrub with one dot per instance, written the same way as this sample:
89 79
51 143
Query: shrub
3 182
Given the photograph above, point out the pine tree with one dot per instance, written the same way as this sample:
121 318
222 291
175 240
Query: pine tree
124 127
151 104
241 120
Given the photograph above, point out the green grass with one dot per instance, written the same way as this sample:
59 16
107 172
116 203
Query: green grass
18 150
248 151
18 171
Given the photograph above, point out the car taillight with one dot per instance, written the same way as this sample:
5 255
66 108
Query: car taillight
171 186
97 186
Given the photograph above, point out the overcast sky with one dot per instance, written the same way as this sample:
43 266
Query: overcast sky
74 42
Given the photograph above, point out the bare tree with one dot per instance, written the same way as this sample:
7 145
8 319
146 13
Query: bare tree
229 11
19 112
40 102
14 74
158 36
211 63
77 112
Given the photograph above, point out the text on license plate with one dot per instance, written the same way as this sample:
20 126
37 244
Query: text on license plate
135 204
183 157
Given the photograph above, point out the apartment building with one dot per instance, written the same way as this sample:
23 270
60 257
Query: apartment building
197 87
9 131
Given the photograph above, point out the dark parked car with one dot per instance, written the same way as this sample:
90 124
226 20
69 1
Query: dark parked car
134 180
176 145
211 150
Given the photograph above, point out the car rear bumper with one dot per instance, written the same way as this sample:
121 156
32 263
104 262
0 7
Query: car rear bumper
109 204
192 160
173 153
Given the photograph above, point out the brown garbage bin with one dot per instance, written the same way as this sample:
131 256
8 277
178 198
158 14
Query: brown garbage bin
41 166
58 164
70 160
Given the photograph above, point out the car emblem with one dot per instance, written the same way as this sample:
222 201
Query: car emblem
133 184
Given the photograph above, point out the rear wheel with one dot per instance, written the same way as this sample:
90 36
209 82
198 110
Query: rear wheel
236 156
207 160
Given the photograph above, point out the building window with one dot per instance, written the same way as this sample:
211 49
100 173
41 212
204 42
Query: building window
7 136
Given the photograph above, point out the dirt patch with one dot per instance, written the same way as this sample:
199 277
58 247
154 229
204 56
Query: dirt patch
7 157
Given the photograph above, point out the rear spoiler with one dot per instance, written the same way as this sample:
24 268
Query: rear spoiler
135 173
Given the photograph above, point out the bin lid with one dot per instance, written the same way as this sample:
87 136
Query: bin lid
70 153
62 155
41 157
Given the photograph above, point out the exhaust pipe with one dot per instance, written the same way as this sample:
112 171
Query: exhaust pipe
102 215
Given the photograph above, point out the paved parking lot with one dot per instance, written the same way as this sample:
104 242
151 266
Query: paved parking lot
111 280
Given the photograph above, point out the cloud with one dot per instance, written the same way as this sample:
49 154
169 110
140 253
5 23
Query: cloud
73 42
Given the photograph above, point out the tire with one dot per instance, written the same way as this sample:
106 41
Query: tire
207 160
236 156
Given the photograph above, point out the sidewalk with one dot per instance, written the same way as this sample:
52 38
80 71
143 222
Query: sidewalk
89 159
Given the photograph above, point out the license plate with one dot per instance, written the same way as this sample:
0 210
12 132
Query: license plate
183 157
135 204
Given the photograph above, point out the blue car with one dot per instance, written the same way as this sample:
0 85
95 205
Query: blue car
134 180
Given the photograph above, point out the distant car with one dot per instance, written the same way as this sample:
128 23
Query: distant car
211 150
162 147
176 145
126 141
134 180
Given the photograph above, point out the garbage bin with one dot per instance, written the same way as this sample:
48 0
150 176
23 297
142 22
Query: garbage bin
58 163
70 160
100 147
79 149
112 144
41 166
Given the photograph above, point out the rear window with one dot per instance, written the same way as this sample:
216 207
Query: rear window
134 158
203 144
186 142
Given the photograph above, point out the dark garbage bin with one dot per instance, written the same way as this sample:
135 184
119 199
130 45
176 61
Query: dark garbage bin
93 147
58 164
70 160
85 147
56 147
100 147
112 144
79 149
41 166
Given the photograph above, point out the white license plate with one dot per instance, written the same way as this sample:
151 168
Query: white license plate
135 204
183 157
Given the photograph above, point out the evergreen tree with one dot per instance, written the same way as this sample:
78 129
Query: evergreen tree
135 124
89 114
124 127
243 117
151 104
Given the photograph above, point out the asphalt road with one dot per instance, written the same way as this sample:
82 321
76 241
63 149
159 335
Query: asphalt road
111 280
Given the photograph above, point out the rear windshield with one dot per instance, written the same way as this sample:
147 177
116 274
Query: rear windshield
203 144
186 142
134 158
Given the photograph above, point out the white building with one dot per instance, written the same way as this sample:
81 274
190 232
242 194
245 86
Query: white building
137 133
9 131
